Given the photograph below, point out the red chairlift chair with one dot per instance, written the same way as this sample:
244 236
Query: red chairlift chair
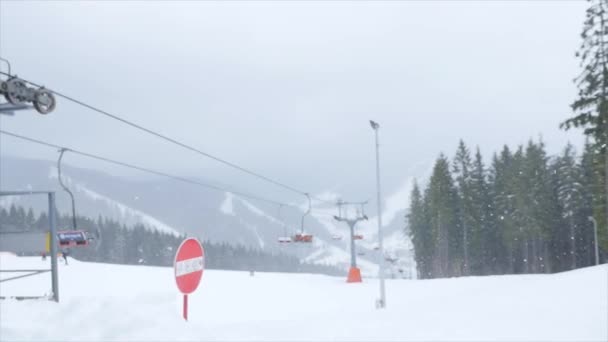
299 237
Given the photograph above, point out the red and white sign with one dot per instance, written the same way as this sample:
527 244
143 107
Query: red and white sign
189 266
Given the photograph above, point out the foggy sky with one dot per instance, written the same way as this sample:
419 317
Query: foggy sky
287 88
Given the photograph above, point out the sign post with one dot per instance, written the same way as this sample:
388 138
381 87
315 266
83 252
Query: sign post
188 266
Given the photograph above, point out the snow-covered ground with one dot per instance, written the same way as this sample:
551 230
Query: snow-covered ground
110 302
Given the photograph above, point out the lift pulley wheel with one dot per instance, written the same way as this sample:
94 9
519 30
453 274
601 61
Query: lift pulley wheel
44 101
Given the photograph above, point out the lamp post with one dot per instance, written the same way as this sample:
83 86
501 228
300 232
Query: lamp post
597 253
381 303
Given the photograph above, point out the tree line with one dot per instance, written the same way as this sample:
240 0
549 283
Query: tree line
140 245
525 213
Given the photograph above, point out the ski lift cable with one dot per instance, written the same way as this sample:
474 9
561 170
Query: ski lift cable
282 221
173 141
143 169
306 213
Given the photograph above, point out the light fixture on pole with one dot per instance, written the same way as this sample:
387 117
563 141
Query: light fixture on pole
381 302
597 254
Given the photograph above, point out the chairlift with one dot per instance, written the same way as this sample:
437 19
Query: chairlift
301 236
336 237
360 253
74 237
357 237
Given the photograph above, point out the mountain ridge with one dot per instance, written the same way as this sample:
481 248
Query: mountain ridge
175 207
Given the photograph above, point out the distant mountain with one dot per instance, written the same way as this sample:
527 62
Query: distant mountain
177 207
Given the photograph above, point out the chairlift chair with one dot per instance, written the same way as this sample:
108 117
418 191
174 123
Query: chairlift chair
72 238
75 237
307 238
284 239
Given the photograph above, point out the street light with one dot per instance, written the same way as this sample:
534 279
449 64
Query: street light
381 303
597 253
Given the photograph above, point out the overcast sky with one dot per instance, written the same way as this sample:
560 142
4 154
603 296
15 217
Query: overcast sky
287 88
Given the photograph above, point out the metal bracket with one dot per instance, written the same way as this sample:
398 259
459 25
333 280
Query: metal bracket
10 109
17 92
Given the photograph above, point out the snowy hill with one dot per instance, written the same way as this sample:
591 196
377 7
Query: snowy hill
141 303
176 207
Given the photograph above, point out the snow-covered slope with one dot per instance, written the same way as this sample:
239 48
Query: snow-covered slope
126 213
216 216
137 303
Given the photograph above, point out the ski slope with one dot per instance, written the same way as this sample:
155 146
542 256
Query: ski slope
111 302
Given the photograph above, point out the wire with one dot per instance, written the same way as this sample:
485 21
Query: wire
174 141
143 169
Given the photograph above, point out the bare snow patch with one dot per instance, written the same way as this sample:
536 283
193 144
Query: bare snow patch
227 207
257 211
129 213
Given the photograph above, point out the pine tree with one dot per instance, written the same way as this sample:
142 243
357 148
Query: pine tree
119 251
21 215
504 237
542 204
420 233
30 219
462 166
481 218
593 179
570 195
521 214
591 106
12 216
3 219
43 222
441 197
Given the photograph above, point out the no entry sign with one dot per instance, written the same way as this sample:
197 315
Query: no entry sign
188 266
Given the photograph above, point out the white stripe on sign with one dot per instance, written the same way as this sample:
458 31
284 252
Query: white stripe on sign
188 266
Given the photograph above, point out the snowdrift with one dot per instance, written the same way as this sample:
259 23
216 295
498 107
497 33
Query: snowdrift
112 302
